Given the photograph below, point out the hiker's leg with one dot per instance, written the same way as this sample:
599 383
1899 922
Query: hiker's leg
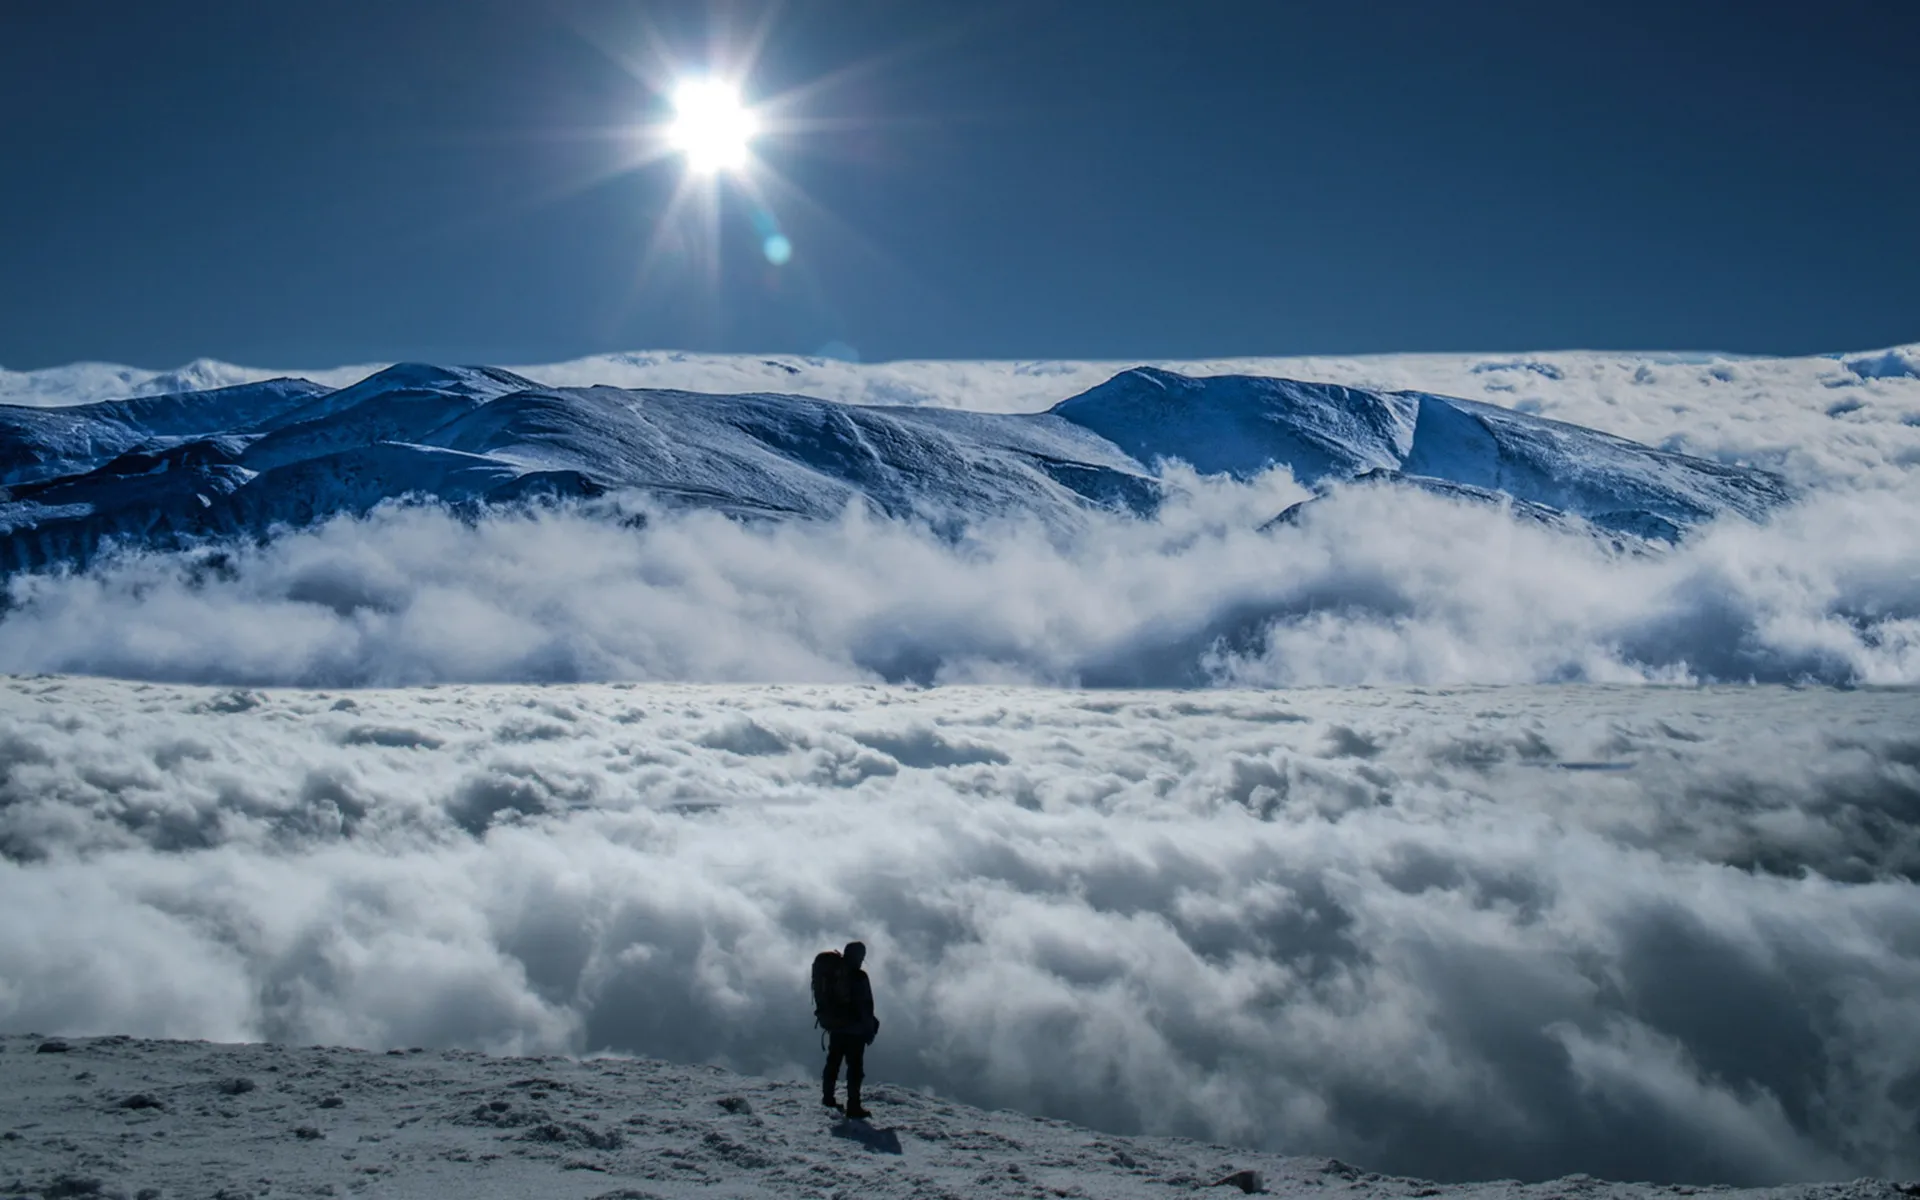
836 1050
856 1071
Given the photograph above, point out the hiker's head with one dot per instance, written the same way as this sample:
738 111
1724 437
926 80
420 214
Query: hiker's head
855 953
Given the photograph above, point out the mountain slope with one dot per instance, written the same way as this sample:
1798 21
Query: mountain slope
46 443
1612 482
1326 433
161 472
398 404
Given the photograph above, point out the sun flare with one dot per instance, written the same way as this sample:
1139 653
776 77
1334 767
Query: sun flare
711 126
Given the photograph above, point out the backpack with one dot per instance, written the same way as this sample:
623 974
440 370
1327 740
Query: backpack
832 993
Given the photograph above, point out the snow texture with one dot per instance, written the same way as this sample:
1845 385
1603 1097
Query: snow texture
1774 412
117 1116
172 471
1641 933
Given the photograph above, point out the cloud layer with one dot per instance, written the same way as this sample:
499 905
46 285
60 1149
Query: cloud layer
1670 934
1445 930
1372 587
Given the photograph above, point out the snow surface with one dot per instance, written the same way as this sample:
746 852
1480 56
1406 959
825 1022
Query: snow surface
1781 413
117 1116
164 473
1667 934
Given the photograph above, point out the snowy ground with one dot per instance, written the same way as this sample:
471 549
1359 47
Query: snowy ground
117 1116
1644 933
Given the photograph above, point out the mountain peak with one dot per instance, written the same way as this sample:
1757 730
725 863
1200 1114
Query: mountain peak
433 377
1242 425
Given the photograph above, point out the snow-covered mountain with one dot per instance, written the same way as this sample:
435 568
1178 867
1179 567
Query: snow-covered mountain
1571 384
169 470
1331 434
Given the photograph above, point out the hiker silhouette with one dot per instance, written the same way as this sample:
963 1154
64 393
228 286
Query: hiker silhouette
843 1005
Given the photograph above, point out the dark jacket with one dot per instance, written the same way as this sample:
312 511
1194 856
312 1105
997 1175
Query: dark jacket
861 1022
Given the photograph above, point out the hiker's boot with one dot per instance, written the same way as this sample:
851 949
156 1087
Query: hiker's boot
830 1102
854 1110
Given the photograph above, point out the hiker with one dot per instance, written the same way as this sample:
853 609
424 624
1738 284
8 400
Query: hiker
843 1006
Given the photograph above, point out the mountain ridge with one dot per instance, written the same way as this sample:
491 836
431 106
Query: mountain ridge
164 472
1029 385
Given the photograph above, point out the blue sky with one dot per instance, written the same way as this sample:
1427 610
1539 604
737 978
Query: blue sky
312 184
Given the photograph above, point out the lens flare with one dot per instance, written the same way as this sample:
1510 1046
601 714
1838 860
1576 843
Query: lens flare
711 126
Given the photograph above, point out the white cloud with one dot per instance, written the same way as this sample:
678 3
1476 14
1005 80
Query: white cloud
1385 924
1373 587
1448 929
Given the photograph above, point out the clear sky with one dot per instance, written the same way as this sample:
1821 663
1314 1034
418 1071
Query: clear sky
302 184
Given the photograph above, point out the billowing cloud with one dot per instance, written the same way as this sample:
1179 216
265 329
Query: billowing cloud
1371 587
1667 933
1439 927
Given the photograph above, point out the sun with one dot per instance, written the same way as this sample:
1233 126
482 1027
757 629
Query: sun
711 126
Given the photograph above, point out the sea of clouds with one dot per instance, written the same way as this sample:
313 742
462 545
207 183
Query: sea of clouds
1578 922
1643 933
